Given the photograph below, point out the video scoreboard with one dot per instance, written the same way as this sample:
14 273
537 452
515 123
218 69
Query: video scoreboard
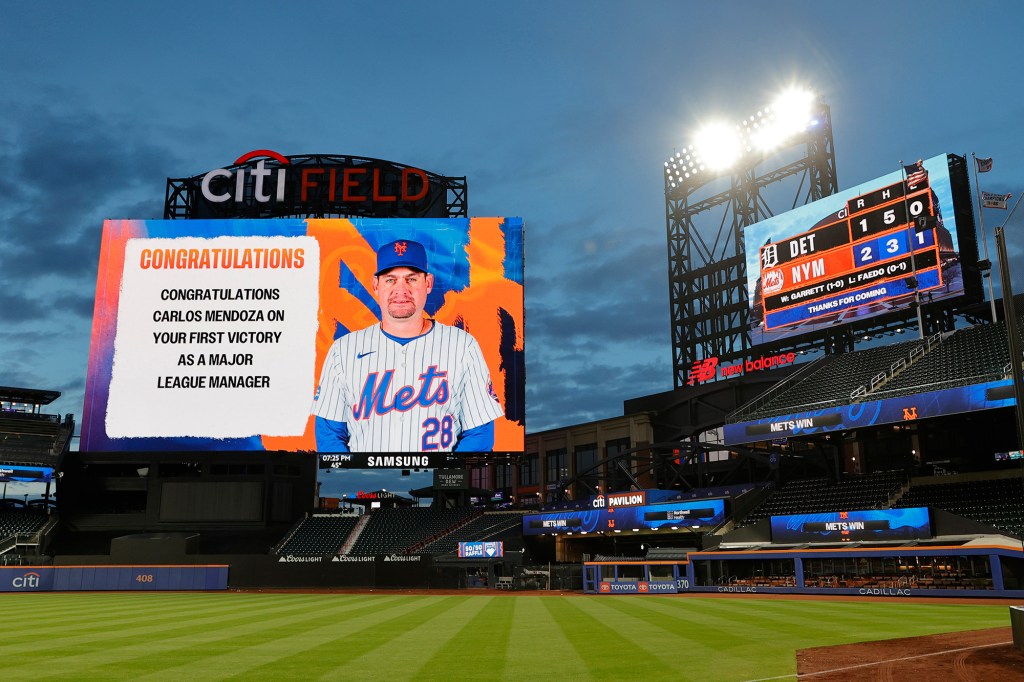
912 523
862 252
864 256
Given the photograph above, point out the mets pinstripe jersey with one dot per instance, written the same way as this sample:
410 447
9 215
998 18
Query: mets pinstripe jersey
413 397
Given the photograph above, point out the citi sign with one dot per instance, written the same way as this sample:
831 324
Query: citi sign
346 184
634 499
28 581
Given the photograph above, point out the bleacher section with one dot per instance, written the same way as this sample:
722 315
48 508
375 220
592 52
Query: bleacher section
830 384
995 502
969 356
318 535
34 438
15 522
392 531
873 491
491 526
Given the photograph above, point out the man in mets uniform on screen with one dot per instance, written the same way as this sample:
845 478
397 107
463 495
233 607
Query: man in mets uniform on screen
407 383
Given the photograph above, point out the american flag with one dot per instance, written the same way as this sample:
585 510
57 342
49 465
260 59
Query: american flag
916 174
984 165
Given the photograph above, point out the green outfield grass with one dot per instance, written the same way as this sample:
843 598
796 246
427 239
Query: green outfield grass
299 637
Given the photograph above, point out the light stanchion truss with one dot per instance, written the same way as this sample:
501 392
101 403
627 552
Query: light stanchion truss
707 271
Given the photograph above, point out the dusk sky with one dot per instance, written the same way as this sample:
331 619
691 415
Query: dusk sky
559 112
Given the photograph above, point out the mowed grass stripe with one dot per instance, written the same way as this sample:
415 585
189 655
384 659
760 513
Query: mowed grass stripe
477 650
405 655
754 651
694 651
108 633
122 610
411 653
85 608
246 642
538 642
263 621
606 652
676 630
332 650
160 636
629 614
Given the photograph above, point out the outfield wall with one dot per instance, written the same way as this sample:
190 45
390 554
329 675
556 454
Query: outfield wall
112 578
251 571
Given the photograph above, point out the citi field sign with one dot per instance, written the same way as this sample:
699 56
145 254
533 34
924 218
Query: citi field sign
266 183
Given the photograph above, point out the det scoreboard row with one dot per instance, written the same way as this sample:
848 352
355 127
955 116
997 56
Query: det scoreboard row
866 255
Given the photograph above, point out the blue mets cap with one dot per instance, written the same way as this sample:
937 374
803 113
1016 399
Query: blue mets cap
402 253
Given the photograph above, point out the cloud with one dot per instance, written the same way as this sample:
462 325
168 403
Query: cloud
66 172
579 394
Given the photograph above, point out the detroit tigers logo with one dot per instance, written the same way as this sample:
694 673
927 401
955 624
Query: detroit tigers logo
400 248
374 398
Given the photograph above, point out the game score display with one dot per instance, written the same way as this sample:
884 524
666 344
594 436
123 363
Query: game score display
864 256
861 252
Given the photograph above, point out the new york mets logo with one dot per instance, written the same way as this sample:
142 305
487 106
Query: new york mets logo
373 399
400 248
910 413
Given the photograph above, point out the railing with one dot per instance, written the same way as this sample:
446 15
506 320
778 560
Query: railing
897 367
787 383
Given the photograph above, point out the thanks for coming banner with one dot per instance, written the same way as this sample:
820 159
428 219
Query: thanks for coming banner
211 334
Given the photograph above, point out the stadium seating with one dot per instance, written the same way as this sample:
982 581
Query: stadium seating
872 491
491 526
320 534
969 356
36 438
15 522
995 502
831 383
391 531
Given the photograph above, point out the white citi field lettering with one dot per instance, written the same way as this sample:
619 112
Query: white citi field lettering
414 397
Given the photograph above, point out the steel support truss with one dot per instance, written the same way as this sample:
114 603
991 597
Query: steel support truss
707 266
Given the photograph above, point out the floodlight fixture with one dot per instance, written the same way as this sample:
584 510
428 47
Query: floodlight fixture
717 145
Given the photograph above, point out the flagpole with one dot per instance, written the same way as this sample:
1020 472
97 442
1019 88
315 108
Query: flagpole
984 242
910 245
1012 330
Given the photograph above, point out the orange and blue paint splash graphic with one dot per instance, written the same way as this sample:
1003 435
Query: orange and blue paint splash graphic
478 287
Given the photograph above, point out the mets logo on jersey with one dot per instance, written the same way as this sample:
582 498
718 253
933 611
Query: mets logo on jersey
400 248
377 397
490 392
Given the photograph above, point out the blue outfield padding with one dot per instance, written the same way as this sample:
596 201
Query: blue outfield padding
112 578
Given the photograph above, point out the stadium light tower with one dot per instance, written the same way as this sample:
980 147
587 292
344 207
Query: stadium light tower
707 271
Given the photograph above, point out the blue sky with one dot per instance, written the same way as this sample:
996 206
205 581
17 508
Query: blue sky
559 112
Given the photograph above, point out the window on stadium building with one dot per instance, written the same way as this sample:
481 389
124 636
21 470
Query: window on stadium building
528 470
557 466
586 459
479 477
503 476
617 479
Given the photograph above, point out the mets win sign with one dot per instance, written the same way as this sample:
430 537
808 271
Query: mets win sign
212 334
